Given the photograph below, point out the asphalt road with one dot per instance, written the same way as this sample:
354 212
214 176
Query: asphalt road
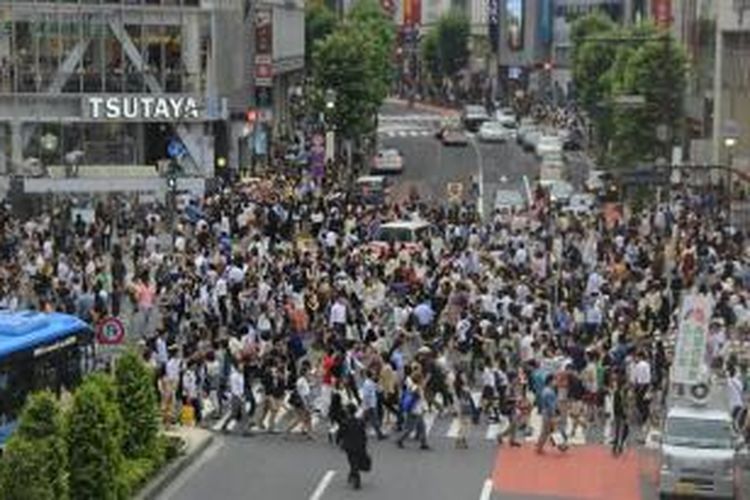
429 166
276 467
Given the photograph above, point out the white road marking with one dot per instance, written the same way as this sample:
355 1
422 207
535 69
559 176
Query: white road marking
220 423
174 488
494 430
535 423
322 485
453 429
429 421
486 490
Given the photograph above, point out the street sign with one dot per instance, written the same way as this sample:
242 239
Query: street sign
689 364
455 191
176 149
630 100
110 331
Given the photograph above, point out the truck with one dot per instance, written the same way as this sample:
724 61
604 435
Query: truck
701 454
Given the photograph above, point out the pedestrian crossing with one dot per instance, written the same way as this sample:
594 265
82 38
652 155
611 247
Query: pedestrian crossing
407 126
438 425
403 134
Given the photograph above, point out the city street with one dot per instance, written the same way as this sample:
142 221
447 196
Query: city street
274 466
429 166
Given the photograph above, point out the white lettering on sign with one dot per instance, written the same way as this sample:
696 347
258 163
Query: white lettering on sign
141 108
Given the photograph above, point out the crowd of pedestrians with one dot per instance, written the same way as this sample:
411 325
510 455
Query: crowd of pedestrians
270 294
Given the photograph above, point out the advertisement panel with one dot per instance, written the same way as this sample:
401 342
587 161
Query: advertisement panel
263 48
692 337
661 11
493 23
514 23
412 12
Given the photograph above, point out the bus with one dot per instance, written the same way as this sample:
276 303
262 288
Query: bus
39 351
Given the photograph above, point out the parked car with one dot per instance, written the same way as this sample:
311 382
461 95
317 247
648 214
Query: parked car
494 131
506 117
473 116
509 200
388 161
581 204
548 145
454 137
559 191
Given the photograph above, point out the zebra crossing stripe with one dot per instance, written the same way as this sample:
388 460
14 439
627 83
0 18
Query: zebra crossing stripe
535 423
494 430
453 429
429 421
652 439
220 423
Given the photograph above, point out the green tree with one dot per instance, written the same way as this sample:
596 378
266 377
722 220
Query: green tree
320 21
657 70
340 66
94 441
640 60
445 48
35 460
138 406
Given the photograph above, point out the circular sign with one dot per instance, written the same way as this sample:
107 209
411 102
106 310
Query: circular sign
110 331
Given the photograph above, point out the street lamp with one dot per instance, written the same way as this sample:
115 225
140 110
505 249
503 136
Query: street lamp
330 99
729 143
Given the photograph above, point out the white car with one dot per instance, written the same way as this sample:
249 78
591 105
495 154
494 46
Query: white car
509 200
559 191
581 204
388 161
548 145
506 117
494 132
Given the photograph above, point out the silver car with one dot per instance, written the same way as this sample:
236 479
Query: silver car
699 453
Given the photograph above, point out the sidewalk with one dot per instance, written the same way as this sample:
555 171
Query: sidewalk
196 441
423 106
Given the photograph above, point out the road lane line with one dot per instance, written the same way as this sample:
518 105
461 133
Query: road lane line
322 485
486 490
174 488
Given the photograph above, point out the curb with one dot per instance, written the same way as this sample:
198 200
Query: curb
158 484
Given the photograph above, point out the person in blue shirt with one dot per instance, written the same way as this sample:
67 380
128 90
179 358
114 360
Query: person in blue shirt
370 404
548 409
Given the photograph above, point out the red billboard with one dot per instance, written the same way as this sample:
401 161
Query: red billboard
661 11
412 12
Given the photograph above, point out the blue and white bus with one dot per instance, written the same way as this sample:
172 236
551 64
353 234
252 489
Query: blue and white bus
39 351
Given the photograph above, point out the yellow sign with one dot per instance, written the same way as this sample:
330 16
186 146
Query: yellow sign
455 191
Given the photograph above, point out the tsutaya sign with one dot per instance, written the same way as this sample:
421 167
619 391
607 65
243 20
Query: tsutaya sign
146 107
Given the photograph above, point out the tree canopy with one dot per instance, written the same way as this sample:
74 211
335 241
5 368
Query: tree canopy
611 62
445 48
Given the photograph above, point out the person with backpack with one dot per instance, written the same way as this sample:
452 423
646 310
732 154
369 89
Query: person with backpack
413 406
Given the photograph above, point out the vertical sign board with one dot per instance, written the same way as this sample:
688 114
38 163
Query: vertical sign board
263 48
692 336
412 12
661 11
514 21
493 23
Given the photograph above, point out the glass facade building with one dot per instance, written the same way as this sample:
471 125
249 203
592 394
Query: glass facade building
56 56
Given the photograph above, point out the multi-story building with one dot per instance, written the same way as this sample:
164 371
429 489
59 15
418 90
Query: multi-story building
110 85
731 85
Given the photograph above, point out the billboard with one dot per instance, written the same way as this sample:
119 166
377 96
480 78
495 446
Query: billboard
689 363
514 23
412 12
661 11
493 23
